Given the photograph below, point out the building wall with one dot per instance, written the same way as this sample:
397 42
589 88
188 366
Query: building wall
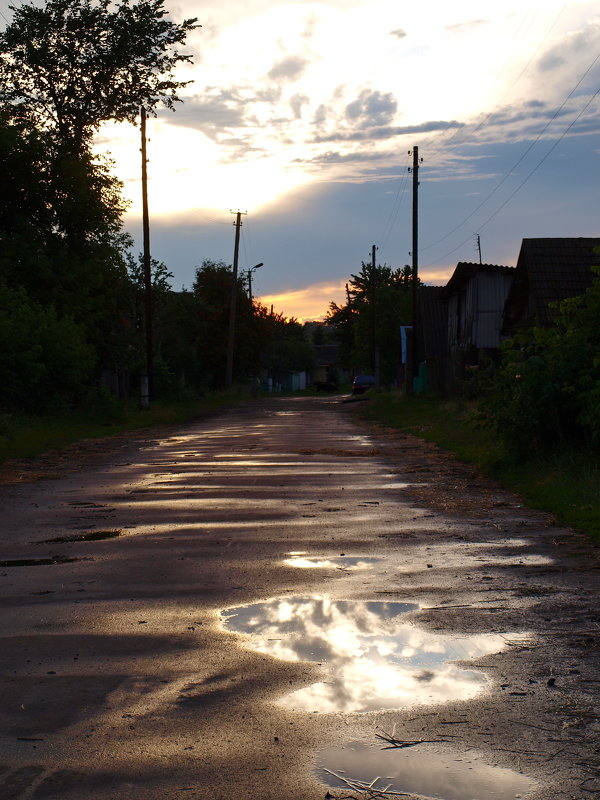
492 291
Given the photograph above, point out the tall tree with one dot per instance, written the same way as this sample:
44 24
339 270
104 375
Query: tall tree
67 67
71 65
378 303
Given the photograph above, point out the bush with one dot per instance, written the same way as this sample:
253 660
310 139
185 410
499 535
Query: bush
547 389
45 361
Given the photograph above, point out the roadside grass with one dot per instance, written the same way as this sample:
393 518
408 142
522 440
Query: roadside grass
564 483
24 436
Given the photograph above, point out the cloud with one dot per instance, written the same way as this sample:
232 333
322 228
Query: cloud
372 108
571 48
288 69
458 27
297 103
309 303
388 132
211 113
399 33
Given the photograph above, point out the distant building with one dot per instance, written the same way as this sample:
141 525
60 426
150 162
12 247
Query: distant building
548 270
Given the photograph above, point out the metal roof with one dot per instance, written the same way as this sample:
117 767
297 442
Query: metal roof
464 272
549 270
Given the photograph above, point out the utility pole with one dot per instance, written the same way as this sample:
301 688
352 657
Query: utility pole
233 301
374 348
415 268
479 247
148 389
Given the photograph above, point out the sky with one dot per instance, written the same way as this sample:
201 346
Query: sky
302 115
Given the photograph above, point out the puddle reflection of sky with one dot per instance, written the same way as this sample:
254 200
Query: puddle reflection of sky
375 659
433 774
302 560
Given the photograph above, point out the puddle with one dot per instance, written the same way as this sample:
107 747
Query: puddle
375 659
93 536
425 772
37 562
303 561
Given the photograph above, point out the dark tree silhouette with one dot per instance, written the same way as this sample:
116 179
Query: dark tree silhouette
71 65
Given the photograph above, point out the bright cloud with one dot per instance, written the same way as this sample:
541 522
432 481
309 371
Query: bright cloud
311 303
295 96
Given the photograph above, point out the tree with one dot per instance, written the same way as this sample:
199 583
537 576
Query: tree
378 303
212 293
72 65
66 68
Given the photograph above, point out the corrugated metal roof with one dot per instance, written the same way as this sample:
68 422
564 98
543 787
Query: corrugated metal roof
464 271
549 270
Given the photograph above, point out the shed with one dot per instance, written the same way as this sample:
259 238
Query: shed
548 270
475 295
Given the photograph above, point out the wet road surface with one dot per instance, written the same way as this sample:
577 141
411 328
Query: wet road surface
279 603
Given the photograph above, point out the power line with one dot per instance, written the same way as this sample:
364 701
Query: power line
483 123
395 210
526 179
520 159
203 214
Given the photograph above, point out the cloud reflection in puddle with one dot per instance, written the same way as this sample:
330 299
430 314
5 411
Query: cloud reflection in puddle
375 659
303 561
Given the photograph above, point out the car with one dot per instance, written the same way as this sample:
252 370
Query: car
362 383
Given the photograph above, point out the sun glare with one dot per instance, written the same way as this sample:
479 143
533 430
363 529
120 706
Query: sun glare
186 171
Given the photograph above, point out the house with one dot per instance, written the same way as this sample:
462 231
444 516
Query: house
475 296
548 270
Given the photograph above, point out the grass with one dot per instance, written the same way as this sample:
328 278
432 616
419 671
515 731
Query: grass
28 436
564 483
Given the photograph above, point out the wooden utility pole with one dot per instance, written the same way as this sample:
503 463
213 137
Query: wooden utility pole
147 392
479 246
374 348
233 301
415 268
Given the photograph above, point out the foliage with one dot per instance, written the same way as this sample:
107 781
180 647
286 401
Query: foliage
61 237
71 65
66 68
288 349
379 301
547 389
45 361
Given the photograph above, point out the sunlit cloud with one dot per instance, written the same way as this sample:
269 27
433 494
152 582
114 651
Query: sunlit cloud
281 102
311 303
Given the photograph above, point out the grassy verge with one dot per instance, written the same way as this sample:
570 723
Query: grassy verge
565 484
28 436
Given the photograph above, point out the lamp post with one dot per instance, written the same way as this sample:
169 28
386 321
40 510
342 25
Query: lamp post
249 272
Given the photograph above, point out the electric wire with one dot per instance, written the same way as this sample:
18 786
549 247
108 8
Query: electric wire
205 216
394 212
519 160
468 132
450 142
525 180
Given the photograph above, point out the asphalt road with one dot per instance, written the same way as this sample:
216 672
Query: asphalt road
241 607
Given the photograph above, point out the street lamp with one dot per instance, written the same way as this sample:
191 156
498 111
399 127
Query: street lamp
250 271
